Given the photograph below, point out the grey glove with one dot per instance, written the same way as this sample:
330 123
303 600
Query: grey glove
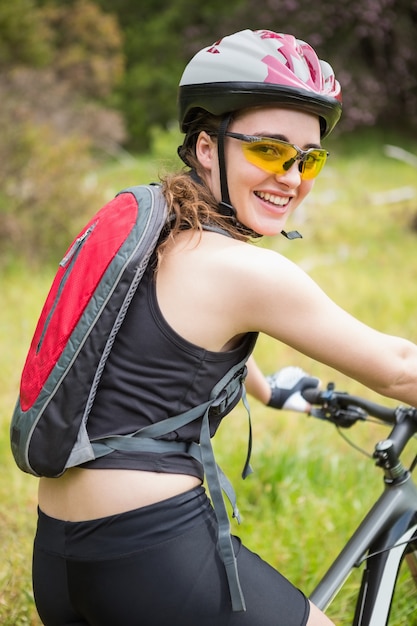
286 387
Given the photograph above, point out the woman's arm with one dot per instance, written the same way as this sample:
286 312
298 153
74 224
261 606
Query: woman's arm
279 299
256 384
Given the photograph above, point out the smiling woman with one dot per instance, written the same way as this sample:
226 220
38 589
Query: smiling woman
283 93
254 108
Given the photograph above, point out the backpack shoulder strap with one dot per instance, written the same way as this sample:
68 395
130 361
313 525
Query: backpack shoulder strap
150 224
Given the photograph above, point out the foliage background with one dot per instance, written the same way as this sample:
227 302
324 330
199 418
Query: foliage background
82 81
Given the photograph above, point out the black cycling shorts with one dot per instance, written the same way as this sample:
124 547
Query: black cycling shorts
154 566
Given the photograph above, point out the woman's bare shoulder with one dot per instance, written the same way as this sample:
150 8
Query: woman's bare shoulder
253 265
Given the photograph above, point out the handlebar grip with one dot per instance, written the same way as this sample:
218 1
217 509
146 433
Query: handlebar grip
312 395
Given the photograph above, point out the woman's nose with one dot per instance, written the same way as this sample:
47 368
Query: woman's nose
292 177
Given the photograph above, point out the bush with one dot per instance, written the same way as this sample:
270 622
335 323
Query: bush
43 200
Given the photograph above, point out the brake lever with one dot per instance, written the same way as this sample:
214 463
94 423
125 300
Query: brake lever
345 418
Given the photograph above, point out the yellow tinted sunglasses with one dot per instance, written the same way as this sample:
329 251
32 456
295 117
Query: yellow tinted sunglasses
276 156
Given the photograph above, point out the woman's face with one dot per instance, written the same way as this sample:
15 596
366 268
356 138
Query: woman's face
263 200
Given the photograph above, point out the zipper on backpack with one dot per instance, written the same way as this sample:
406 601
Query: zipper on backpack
76 245
67 263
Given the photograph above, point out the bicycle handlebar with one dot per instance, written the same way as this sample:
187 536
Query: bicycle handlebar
344 410
334 401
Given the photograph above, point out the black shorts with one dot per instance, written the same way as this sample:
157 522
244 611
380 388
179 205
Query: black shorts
155 566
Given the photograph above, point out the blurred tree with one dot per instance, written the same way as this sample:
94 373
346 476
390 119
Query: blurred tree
160 37
43 200
25 38
53 119
87 47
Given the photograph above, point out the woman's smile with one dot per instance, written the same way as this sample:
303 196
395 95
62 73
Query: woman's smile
274 199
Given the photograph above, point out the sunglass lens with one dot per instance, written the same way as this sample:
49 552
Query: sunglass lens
278 157
312 164
270 156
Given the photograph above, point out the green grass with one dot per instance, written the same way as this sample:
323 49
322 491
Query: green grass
308 490
22 296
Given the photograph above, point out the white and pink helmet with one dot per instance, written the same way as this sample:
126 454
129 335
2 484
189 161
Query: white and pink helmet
252 68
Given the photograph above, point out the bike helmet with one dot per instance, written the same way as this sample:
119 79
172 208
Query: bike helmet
251 68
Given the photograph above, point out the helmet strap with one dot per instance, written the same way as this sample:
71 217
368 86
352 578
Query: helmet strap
225 206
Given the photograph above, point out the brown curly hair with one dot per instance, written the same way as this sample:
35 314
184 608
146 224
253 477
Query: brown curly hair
191 203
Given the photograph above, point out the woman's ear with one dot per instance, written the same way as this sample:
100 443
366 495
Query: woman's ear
206 150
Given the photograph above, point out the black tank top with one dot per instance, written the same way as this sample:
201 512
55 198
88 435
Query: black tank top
153 373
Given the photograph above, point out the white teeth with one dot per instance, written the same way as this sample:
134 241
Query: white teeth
269 197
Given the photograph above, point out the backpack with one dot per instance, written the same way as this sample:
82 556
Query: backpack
85 307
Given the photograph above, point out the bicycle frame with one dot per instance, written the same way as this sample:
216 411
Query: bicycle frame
389 530
380 577
381 529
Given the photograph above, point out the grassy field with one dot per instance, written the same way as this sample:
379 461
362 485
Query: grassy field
308 490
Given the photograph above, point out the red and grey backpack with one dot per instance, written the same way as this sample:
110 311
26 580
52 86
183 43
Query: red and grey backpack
86 305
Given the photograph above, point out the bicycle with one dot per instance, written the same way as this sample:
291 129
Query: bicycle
387 536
